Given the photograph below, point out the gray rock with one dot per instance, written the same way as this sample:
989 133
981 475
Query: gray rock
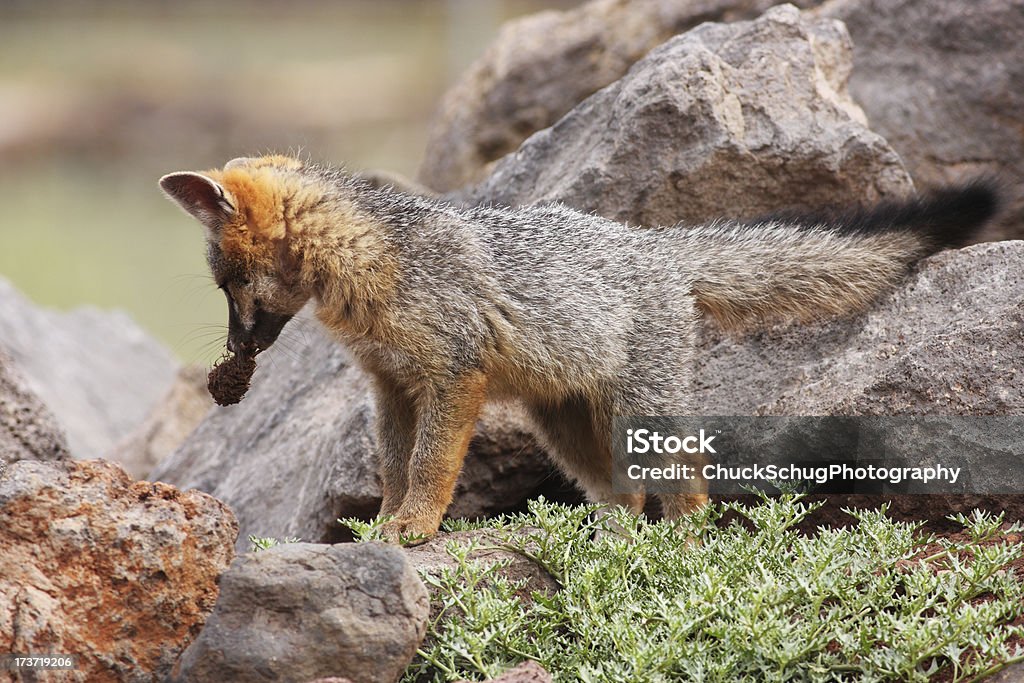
950 341
28 430
299 611
737 119
298 452
941 80
96 370
174 417
543 65
938 80
120 573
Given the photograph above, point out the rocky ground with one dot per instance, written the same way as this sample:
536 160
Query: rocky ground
638 111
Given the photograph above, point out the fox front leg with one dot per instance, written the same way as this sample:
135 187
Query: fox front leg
396 434
446 420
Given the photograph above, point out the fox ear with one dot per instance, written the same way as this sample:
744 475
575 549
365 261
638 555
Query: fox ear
238 161
200 196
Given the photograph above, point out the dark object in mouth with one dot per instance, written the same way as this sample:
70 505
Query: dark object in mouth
229 379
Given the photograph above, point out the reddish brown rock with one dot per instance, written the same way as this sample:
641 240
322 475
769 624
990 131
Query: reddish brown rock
118 572
527 672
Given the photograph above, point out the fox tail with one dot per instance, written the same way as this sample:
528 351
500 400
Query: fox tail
815 265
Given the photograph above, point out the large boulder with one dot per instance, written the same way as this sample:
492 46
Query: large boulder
941 80
299 611
949 341
98 371
298 452
727 119
543 65
938 79
118 572
28 430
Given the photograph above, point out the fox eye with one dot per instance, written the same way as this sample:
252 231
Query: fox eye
257 303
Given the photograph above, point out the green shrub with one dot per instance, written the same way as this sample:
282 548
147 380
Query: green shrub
644 601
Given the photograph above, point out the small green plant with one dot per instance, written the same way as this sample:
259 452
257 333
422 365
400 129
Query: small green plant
371 531
257 543
752 600
365 531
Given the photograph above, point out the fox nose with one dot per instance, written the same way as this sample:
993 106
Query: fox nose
245 347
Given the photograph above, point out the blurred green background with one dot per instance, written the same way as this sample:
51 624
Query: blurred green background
98 99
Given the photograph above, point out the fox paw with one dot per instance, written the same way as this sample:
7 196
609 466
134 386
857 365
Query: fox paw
408 531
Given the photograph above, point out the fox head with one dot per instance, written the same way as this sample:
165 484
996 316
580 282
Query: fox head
248 246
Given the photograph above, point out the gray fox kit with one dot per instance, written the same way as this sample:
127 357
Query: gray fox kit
579 317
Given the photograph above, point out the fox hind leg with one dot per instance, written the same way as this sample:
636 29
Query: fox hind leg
568 430
657 385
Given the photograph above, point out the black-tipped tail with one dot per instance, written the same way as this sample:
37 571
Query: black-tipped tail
805 266
944 218
948 217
